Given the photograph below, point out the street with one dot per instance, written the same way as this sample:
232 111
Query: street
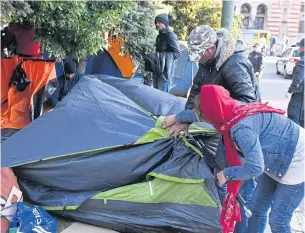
273 88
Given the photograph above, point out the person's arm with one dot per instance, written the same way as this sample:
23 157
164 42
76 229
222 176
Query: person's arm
195 90
186 116
173 44
239 83
248 142
297 78
7 38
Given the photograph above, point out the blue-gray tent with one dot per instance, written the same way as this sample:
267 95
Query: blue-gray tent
102 63
102 157
184 72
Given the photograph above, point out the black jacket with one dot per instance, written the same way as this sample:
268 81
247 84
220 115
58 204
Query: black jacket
257 60
297 85
236 75
167 42
64 85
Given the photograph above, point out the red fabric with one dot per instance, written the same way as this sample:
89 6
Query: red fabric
220 110
27 43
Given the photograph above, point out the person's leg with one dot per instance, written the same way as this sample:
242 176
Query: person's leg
286 200
155 79
162 84
302 111
260 203
295 107
246 191
169 64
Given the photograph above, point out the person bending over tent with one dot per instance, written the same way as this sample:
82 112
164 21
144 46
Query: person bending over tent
65 83
273 149
222 61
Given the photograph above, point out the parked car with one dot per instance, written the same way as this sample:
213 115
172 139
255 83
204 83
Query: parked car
287 61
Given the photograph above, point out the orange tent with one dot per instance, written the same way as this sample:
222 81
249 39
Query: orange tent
15 106
124 62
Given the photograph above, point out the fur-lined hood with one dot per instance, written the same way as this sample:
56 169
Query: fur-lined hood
226 47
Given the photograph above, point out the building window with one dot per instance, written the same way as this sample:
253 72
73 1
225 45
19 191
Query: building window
261 9
301 26
302 8
259 23
246 22
245 9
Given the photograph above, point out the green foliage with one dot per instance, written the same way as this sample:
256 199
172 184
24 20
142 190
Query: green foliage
237 24
76 28
71 28
138 30
14 11
186 15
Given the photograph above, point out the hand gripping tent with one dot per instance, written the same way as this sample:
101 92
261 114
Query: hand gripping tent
102 158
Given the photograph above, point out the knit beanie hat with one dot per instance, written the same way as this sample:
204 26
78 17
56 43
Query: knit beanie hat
70 67
163 18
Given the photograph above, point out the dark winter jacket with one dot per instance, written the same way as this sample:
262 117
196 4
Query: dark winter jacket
232 70
167 42
64 85
297 85
257 60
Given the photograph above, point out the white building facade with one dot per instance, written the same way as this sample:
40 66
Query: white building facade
283 18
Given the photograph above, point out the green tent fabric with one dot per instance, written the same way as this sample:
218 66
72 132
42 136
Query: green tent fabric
100 158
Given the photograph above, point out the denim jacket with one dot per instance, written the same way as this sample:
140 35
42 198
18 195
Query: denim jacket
267 141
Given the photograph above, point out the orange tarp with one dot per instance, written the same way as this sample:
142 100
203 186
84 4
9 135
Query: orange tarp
124 62
15 106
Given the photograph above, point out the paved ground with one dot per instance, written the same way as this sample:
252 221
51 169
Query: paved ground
273 89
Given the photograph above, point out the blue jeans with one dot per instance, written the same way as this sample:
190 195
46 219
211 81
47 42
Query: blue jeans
246 190
283 200
160 84
167 65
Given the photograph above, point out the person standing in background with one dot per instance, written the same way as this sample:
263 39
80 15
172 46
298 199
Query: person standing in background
257 60
168 50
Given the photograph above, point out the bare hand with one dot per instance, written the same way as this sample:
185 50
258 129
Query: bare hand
169 121
177 128
221 178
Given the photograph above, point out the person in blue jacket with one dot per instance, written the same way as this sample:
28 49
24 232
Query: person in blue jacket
269 146
65 83
296 90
